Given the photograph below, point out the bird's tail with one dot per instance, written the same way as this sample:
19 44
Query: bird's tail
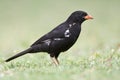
18 55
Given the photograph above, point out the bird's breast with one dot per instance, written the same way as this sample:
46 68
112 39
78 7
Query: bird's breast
72 33
71 37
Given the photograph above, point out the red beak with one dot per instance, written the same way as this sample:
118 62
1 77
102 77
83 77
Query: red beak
88 17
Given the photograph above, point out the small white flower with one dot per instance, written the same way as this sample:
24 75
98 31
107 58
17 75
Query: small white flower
112 50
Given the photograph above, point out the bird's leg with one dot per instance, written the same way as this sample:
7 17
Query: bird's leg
54 58
55 61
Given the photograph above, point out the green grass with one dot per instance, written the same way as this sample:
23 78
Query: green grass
95 56
92 67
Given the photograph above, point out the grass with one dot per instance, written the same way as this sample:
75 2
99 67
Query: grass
95 66
95 56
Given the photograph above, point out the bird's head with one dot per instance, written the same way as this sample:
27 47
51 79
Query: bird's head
79 17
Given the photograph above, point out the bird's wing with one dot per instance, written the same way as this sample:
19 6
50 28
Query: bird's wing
57 32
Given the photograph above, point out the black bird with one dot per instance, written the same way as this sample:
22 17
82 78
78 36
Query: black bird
60 39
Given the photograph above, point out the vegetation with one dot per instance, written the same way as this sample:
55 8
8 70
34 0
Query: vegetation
95 56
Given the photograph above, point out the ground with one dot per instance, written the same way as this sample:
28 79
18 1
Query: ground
96 54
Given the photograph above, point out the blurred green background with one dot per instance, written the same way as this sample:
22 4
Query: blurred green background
24 21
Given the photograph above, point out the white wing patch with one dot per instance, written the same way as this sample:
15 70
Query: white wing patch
48 41
67 33
70 25
58 39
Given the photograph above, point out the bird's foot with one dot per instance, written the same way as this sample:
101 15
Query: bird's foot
55 61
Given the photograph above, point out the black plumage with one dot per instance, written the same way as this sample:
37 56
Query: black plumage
60 39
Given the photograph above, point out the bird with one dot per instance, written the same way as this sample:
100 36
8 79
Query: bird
60 39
